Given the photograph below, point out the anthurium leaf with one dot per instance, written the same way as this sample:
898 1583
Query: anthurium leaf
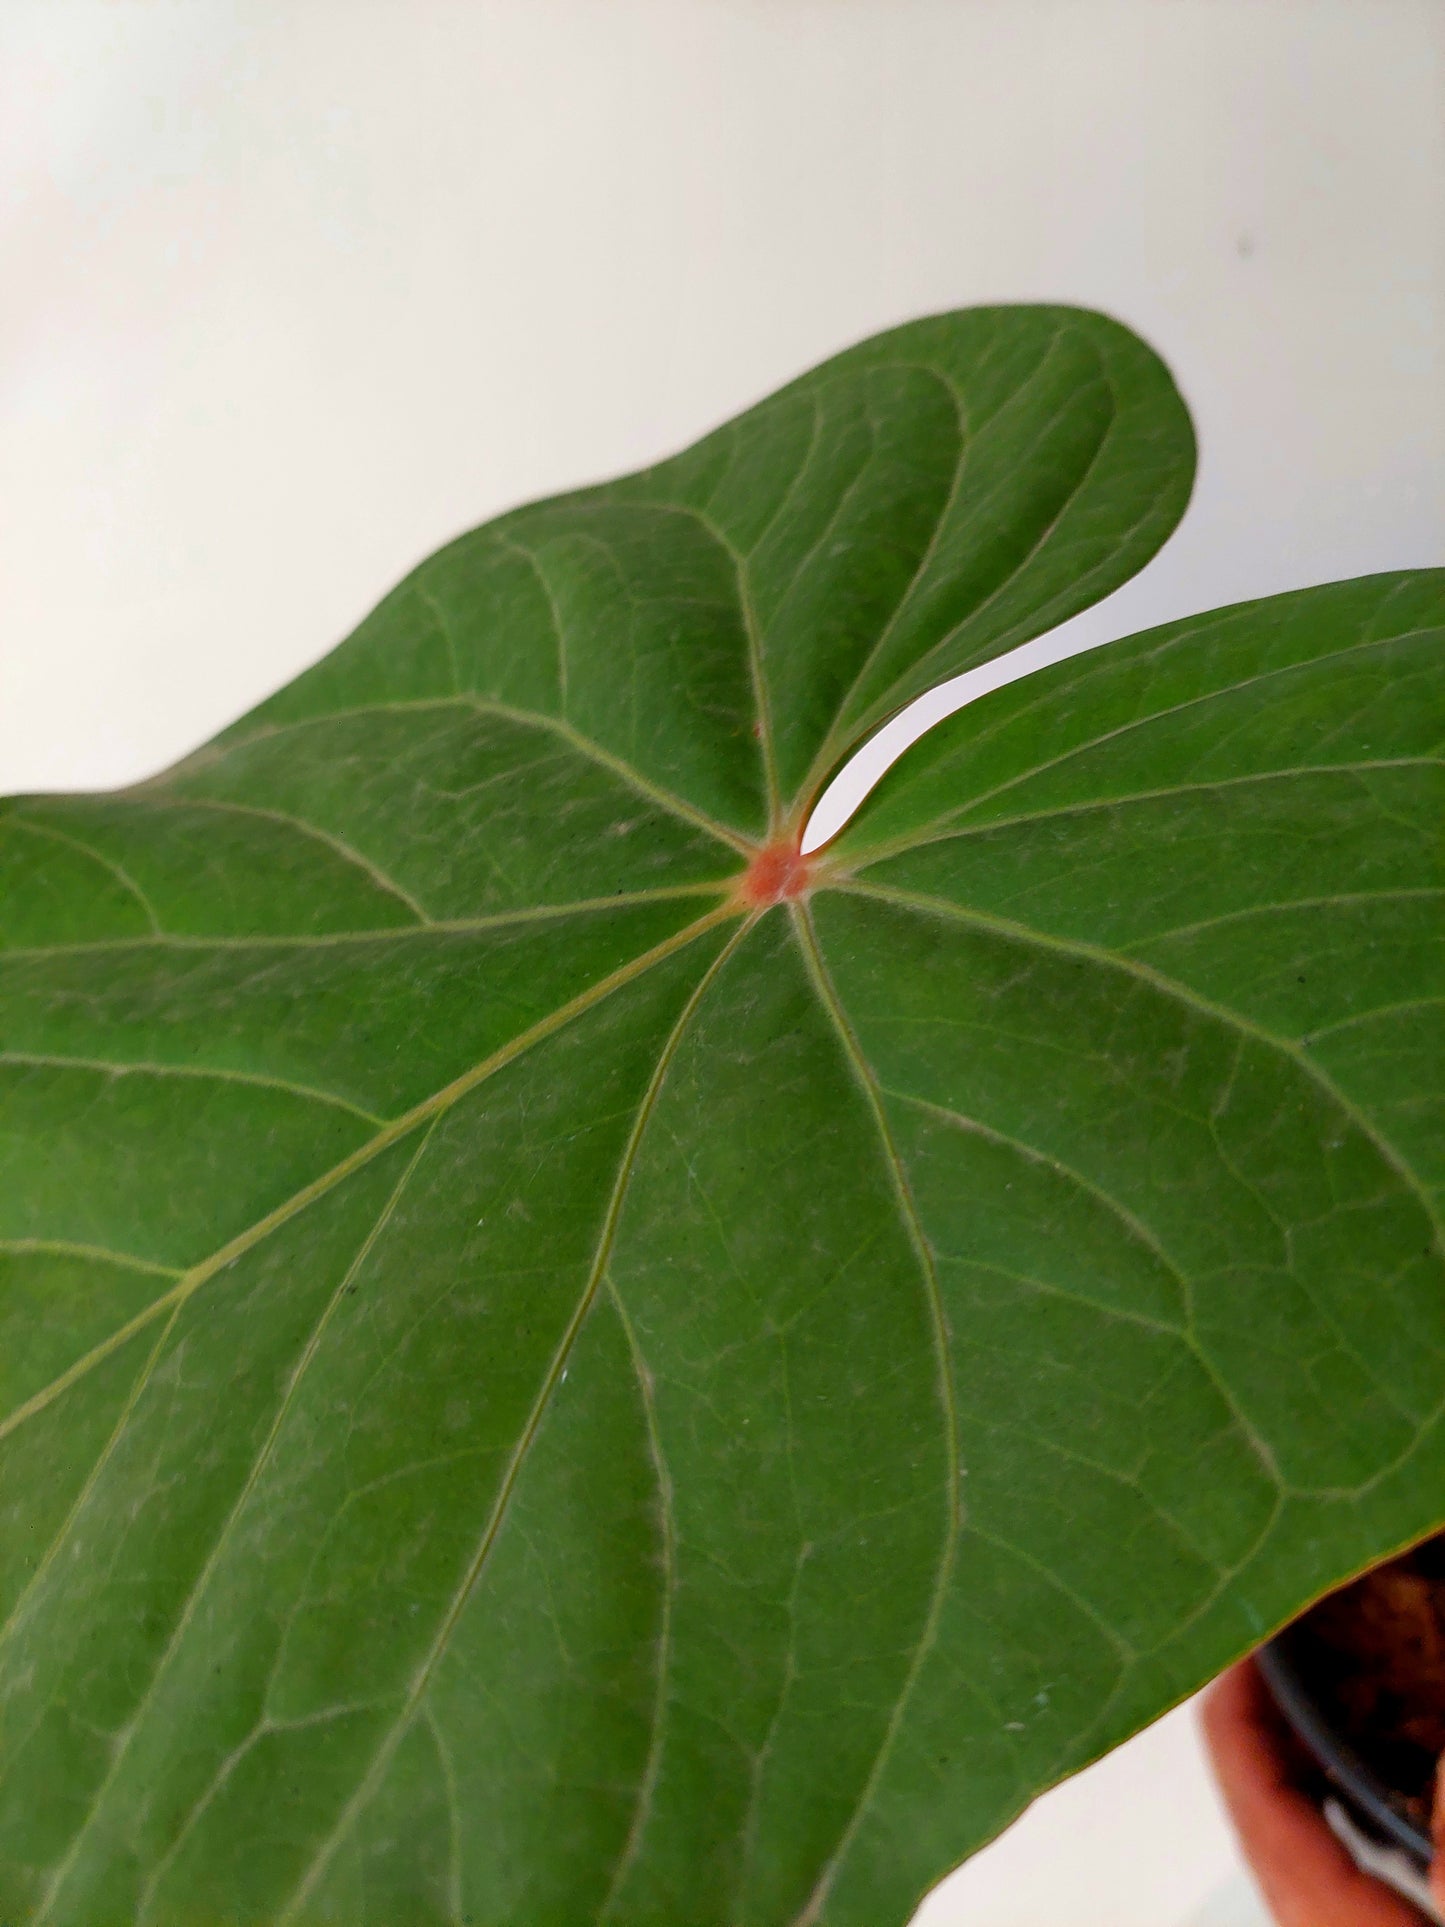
728 625
562 1363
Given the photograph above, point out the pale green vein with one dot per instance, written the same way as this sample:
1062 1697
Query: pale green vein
1340 899
421 1680
1032 1788
1108 659
121 875
805 561
752 632
1143 1235
454 1814
1130 1481
928 1634
844 499
1050 1287
1172 987
190 1281
762 702
382 933
1116 1639
968 431
104 1456
1052 691
93 1254
647 1785
1040 621
832 746
221 1778
1381 1011
741 566
762 1755
1228 1575
429 601
664 799
338 845
1123 800
789 495
216 1553
97 1355
1137 1231
1248 1431
539 574
196 1073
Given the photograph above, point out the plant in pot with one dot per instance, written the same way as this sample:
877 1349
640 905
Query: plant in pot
1360 1678
566 1361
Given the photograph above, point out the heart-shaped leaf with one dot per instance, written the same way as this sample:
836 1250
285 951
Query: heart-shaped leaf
562 1363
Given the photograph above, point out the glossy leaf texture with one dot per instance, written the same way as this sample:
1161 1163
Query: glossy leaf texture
540 1389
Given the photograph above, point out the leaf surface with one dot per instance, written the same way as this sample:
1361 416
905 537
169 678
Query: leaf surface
538 1385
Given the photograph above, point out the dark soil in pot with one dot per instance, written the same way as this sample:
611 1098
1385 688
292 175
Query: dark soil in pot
1361 1677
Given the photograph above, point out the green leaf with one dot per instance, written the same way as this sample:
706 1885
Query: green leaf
561 1364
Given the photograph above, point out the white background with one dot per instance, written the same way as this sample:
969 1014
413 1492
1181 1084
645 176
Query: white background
290 293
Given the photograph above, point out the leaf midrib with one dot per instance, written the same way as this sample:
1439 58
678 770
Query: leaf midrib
434 1106
422 1678
191 1280
842 731
868 1082
1123 799
652 1765
428 1112
378 933
1048 689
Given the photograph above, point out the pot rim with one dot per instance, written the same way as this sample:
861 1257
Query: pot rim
1339 1760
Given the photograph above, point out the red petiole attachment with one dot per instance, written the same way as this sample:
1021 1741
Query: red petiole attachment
778 873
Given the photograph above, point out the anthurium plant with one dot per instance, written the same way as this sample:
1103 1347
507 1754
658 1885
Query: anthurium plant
564 1361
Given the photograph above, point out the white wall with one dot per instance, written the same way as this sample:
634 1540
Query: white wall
291 292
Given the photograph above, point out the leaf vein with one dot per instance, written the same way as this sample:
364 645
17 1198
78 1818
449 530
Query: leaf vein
197 1072
117 870
391 1738
868 1083
647 1785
